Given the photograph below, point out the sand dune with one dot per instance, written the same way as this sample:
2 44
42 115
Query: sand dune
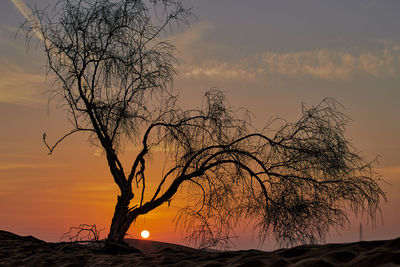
28 251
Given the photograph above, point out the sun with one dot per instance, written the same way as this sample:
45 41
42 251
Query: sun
145 234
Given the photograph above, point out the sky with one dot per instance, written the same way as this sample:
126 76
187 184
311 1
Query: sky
266 56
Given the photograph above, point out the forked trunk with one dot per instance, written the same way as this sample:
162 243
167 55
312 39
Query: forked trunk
120 222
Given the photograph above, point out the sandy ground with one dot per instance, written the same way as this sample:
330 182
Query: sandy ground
28 251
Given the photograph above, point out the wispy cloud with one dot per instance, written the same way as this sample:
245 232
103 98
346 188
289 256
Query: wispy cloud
323 64
327 64
203 58
10 166
220 70
17 86
27 13
20 81
192 36
22 7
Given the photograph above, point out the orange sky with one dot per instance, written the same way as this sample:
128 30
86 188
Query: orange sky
268 58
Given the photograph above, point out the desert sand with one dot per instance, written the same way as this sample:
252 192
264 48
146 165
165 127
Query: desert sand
18 250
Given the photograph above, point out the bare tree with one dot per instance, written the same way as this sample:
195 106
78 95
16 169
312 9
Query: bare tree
83 234
114 70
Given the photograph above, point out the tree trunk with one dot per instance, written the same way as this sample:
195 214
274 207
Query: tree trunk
120 222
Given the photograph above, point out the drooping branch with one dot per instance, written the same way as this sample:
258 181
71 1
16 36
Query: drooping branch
305 169
51 148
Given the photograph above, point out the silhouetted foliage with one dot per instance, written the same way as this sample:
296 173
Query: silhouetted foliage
114 70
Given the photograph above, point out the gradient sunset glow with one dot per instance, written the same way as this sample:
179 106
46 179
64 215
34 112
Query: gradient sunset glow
268 57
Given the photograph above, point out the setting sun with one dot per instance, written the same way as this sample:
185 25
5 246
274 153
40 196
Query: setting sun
145 234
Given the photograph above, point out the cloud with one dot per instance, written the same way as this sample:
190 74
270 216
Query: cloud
21 79
11 166
192 36
22 7
326 64
17 86
219 70
27 13
202 59
316 64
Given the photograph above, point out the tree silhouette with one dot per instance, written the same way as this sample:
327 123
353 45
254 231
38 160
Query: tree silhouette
114 70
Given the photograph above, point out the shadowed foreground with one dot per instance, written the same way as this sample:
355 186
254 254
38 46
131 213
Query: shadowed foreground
28 251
